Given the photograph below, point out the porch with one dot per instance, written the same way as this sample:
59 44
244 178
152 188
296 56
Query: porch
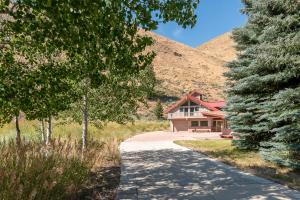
187 112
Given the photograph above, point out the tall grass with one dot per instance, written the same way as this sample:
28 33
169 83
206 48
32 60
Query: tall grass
30 130
34 171
58 171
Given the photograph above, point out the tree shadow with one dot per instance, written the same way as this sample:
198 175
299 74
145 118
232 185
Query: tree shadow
179 174
281 175
102 184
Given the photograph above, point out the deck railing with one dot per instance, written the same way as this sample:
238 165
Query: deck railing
184 115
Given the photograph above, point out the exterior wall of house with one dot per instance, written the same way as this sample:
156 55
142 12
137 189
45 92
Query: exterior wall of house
209 120
188 113
179 125
176 113
199 127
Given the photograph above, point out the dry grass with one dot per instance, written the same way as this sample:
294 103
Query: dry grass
30 130
61 171
249 161
221 47
35 171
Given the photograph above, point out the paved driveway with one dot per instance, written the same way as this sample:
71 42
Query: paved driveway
153 167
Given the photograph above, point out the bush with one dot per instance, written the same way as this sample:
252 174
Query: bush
158 110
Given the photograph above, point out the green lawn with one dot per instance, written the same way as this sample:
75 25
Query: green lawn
249 161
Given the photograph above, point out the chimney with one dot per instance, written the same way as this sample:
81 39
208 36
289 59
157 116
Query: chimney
200 96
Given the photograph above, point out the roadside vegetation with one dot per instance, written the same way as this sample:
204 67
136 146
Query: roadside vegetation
109 131
59 170
246 160
83 63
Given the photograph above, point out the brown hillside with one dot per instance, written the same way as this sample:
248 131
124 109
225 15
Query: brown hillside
180 68
221 47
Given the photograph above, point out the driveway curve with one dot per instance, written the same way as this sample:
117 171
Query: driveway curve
153 167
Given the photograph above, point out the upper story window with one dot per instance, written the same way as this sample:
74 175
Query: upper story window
191 108
193 104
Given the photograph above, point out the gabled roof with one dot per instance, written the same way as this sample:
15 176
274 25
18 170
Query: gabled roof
214 114
185 98
218 104
195 92
202 103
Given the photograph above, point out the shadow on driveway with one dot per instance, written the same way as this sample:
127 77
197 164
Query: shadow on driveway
184 174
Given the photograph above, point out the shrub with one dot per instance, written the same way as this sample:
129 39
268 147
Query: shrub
158 110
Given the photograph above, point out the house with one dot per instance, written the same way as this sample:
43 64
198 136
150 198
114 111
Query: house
192 113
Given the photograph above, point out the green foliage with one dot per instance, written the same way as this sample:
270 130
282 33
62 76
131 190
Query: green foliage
158 110
101 50
53 53
34 75
284 147
265 80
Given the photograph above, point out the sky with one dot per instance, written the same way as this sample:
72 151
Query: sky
215 17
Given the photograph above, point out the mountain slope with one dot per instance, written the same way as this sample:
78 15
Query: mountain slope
221 47
180 68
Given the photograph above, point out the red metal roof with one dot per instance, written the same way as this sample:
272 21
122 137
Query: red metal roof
178 103
213 106
203 103
195 91
214 114
218 104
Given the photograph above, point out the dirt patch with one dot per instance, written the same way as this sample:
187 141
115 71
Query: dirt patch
102 184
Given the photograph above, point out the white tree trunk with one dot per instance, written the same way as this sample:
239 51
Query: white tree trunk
84 121
18 132
43 132
49 131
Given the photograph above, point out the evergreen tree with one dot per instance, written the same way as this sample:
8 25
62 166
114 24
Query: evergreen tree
245 93
281 62
158 110
263 99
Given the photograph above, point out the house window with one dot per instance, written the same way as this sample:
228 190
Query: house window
203 123
181 109
193 104
195 123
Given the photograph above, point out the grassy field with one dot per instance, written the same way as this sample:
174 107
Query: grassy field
245 160
61 170
30 130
